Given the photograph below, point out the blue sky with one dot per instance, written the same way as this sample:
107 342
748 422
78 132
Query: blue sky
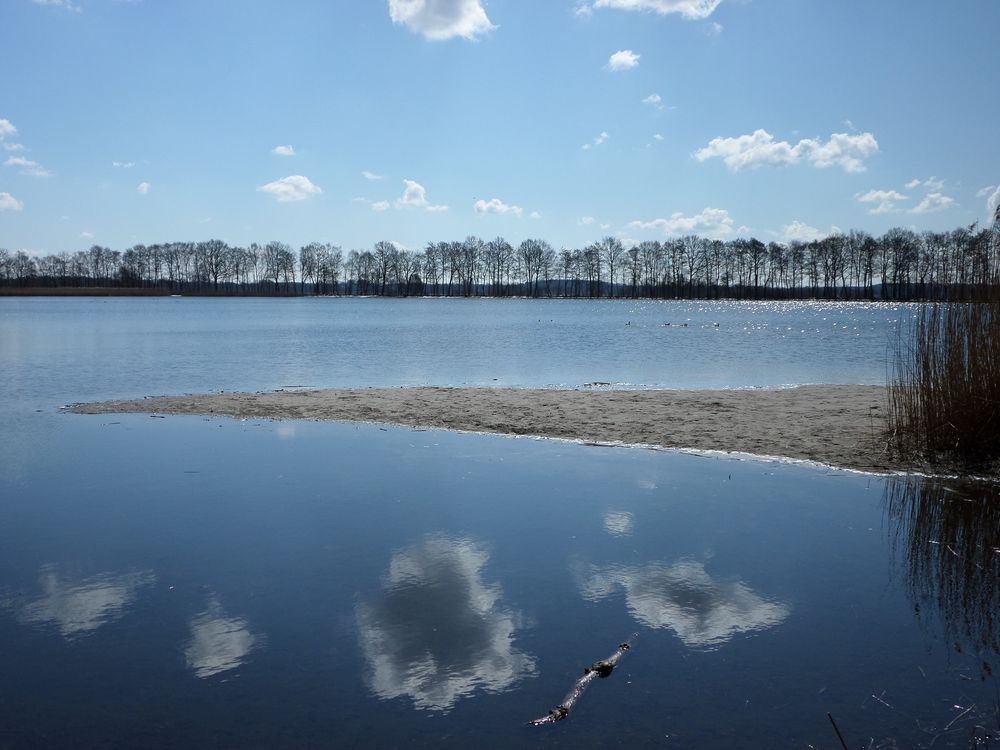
139 121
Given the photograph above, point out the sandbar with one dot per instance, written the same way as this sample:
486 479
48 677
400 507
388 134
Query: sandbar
836 425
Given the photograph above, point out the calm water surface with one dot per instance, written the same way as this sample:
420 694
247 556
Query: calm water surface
204 582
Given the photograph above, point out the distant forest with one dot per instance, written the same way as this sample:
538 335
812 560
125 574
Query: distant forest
899 265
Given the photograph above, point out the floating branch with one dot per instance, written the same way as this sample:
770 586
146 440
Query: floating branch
601 668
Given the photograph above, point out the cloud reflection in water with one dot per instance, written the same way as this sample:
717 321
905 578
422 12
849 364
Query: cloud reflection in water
618 522
701 611
439 631
218 642
77 608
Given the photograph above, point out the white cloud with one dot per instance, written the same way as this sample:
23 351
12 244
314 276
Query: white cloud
535 215
932 184
657 136
13 146
87 235
714 29
28 167
749 151
689 9
623 59
800 231
283 150
654 100
711 222
438 20
292 188
380 206
415 196
372 176
983 192
933 202
598 140
66 4
586 221
123 164
497 206
9 203
605 226
6 128
143 188
886 200
993 201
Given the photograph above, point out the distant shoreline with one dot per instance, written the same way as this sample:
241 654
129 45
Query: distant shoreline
835 425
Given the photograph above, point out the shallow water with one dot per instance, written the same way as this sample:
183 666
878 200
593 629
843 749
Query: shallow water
212 582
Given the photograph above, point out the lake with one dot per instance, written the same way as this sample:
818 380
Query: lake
191 581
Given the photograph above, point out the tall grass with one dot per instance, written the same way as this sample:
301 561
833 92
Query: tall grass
944 391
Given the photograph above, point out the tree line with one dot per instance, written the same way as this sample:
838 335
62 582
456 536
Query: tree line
901 265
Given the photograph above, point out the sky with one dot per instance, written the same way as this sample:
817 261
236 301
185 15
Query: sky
350 122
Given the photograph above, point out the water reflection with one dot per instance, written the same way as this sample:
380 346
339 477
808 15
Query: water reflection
218 642
702 611
618 523
947 534
439 631
79 607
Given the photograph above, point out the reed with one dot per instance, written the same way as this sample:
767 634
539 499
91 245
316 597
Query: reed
944 391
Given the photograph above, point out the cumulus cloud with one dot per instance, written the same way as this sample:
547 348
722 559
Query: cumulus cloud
598 140
654 100
799 231
535 215
123 164
438 632
415 196
6 128
12 146
9 203
64 4
931 183
933 202
218 642
623 59
372 176
87 235
283 150
78 607
292 188
885 200
438 20
657 136
28 167
586 221
380 206
760 148
689 9
143 188
992 198
497 206
711 222
702 611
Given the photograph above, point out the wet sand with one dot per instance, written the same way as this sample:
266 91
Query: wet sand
836 425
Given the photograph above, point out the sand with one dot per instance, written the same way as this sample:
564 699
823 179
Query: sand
836 425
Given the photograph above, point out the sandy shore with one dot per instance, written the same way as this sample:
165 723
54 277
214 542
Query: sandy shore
832 424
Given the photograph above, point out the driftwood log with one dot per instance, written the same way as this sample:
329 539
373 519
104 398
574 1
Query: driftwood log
601 669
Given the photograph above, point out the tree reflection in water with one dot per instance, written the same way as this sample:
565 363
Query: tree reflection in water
947 538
